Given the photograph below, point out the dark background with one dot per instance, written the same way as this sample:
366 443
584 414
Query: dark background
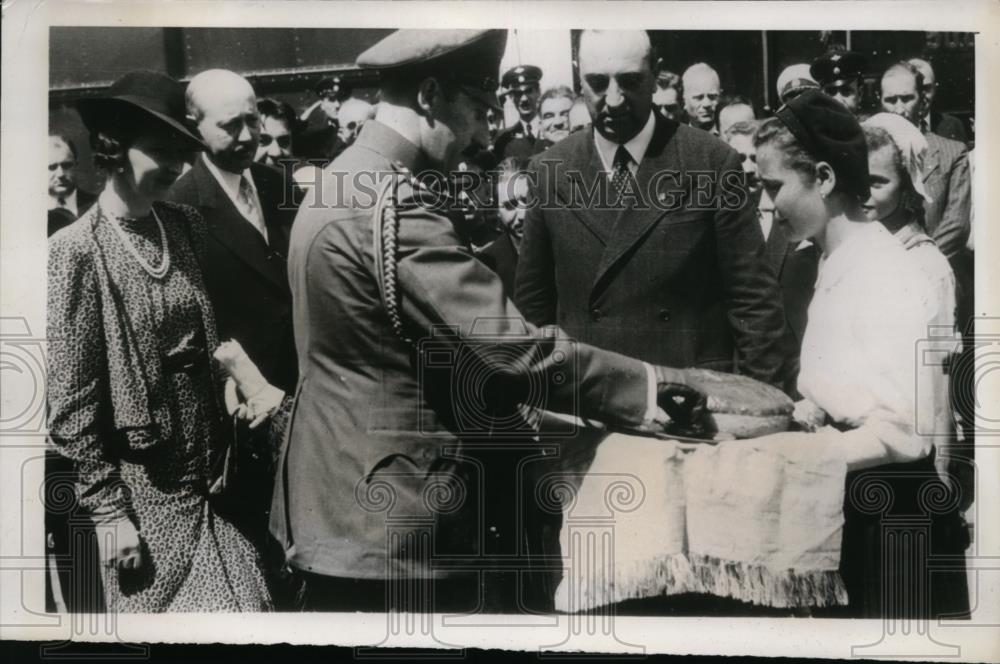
286 62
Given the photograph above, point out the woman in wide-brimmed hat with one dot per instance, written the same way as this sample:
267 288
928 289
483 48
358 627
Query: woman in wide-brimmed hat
861 373
134 398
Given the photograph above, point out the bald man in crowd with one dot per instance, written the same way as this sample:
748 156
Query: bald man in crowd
701 96
248 208
351 118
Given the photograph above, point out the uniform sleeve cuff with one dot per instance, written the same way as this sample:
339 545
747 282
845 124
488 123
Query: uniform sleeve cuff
651 406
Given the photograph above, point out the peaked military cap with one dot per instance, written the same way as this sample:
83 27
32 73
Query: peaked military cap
794 80
837 67
470 58
333 86
521 77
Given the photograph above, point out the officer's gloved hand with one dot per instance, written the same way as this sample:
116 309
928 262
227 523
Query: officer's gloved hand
683 404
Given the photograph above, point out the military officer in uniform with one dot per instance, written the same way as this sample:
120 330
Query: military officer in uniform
409 351
331 92
522 140
840 75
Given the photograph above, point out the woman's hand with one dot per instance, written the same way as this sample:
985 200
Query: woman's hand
119 544
808 416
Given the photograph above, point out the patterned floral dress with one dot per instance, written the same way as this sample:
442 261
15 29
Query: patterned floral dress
134 400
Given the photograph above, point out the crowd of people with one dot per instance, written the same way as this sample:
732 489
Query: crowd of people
842 239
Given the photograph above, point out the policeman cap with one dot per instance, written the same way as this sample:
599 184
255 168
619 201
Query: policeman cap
837 67
795 80
521 77
333 86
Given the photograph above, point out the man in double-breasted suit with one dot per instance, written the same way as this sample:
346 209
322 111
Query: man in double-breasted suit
410 352
672 275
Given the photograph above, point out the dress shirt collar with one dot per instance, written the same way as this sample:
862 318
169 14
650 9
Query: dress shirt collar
926 122
636 146
70 203
230 182
535 125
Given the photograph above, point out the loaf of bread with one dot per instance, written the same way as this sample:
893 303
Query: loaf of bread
739 406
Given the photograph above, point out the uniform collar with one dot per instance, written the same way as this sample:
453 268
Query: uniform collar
392 145
636 146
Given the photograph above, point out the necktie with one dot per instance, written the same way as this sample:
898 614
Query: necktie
527 130
620 173
249 206
924 128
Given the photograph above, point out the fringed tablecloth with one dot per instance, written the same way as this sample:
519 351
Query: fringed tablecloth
756 520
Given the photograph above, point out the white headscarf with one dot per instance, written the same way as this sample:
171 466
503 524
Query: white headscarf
909 141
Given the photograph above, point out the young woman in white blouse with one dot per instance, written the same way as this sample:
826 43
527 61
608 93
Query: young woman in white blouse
861 359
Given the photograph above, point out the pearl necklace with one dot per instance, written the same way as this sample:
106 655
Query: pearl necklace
155 272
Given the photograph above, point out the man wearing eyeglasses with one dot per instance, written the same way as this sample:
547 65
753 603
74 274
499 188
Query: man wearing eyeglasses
840 75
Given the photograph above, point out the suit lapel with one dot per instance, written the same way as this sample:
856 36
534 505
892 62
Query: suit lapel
932 160
582 171
271 192
633 224
232 230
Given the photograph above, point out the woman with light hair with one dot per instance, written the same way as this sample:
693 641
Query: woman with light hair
896 152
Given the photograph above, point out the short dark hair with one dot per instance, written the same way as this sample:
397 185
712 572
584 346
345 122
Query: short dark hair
274 108
668 79
406 82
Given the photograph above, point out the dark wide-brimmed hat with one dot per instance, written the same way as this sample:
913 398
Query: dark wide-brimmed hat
470 58
829 132
149 93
